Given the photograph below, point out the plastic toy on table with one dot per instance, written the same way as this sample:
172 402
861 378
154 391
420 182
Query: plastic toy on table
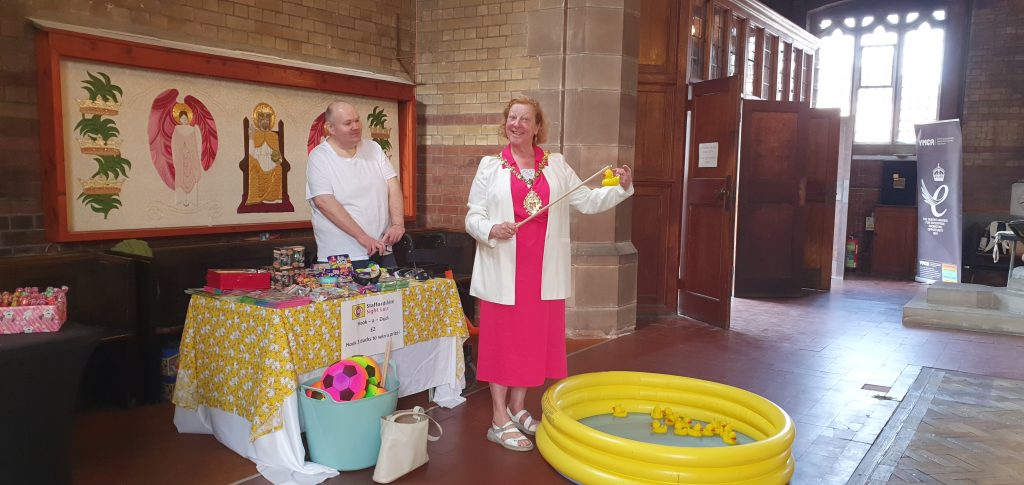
367 275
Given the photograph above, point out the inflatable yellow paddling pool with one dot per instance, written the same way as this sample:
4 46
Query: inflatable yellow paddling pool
589 456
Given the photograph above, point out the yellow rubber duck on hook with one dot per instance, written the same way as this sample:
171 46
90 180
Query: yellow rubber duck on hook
610 179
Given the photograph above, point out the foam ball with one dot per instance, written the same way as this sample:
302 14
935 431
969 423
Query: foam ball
316 395
345 380
374 390
372 369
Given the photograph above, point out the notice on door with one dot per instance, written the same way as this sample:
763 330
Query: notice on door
707 155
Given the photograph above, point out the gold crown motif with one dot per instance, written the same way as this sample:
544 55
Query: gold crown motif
90 146
90 107
939 174
380 133
101 185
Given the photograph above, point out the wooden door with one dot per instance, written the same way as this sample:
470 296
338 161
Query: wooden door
709 208
771 193
821 155
894 252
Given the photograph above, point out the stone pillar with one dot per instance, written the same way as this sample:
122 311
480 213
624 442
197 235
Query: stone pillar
588 80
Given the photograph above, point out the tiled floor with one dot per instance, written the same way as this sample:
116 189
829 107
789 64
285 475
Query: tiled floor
811 355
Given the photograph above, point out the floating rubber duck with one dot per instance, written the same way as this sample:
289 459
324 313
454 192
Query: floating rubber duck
686 420
680 428
694 431
669 411
658 427
619 412
670 419
729 438
610 179
657 412
709 430
725 429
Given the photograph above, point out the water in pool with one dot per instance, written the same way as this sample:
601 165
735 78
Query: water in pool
637 427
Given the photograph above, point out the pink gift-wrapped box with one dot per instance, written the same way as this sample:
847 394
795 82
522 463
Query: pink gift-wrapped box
30 319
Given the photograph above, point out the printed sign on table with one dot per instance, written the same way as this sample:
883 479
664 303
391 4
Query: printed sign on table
367 323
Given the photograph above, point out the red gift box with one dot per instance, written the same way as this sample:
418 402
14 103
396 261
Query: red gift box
238 279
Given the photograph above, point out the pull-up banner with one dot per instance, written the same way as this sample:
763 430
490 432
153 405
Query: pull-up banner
939 201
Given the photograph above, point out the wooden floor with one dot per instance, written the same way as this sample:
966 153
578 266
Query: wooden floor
973 432
957 428
839 363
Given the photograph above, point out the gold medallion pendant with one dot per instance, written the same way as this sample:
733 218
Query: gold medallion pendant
532 202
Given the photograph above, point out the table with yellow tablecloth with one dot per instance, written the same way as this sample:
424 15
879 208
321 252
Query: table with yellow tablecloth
240 365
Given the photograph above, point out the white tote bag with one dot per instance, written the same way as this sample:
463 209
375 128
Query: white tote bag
403 443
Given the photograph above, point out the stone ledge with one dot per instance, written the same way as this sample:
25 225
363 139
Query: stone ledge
961 295
919 312
600 322
603 253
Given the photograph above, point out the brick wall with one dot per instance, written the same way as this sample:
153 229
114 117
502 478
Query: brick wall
993 111
377 36
865 189
471 59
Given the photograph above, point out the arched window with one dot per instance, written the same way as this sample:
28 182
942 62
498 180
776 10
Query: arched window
882 66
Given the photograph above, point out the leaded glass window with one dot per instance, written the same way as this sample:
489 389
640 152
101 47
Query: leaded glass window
748 74
882 67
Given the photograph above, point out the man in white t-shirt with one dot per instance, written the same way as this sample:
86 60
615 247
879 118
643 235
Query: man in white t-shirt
354 192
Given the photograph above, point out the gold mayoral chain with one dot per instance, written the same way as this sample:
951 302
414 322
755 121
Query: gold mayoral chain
531 202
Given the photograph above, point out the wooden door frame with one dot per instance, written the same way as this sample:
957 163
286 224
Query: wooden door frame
669 78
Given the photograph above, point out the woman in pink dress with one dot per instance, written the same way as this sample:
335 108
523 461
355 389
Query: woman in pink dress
521 275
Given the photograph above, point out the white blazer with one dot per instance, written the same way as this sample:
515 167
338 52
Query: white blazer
490 203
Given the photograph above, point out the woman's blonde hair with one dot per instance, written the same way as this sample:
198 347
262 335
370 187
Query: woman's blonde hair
542 127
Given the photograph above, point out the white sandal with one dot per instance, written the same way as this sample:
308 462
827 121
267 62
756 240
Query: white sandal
496 434
526 427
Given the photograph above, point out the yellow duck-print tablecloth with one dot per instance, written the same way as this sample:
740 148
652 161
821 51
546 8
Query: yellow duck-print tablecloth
246 359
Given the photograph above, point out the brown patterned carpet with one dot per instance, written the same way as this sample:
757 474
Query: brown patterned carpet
952 428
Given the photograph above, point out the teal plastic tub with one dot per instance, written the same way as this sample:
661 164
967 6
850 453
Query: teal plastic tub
346 435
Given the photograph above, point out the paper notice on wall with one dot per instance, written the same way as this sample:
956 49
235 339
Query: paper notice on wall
367 324
707 155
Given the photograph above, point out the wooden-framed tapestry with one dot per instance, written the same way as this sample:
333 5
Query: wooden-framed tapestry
141 140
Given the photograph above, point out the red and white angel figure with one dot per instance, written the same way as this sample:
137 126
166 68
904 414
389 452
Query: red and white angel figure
317 133
183 143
